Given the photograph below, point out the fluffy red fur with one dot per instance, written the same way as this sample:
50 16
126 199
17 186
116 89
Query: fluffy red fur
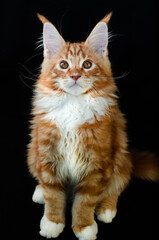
78 135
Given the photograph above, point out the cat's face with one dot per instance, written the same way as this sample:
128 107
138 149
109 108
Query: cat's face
76 68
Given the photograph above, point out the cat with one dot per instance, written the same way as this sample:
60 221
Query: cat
78 135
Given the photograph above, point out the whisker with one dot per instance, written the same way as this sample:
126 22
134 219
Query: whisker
118 77
121 76
28 70
24 82
28 60
30 78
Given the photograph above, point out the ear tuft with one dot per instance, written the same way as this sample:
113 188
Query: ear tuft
107 18
98 38
42 18
52 40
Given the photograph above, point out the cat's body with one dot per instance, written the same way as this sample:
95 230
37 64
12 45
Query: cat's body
78 134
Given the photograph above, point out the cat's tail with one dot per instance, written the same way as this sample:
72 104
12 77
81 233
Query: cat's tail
145 165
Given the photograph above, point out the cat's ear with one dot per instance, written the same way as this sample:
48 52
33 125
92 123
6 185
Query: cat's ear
98 38
52 40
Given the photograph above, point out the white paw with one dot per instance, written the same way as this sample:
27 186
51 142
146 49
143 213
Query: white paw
50 229
38 195
108 216
89 233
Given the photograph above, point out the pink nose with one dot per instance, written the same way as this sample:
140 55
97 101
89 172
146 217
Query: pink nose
75 77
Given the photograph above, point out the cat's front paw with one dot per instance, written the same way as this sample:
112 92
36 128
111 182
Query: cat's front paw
107 216
88 233
50 229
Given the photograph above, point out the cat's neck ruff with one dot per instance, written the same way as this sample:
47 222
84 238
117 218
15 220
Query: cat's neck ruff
68 111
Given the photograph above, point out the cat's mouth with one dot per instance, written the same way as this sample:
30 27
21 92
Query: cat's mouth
75 84
75 88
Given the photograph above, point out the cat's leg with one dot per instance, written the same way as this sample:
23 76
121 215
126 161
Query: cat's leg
107 209
53 221
86 199
38 195
83 223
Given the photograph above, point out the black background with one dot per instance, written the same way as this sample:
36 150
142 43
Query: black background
132 50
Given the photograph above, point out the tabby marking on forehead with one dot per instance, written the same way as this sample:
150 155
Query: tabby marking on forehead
74 50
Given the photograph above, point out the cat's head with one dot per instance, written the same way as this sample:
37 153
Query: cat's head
76 68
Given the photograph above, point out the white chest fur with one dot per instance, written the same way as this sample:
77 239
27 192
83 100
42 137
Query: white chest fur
68 112
72 164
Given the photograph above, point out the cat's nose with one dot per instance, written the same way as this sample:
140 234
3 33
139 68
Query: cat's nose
75 77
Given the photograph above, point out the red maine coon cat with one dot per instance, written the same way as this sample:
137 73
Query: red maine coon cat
78 135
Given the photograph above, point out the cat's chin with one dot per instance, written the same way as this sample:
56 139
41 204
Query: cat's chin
76 90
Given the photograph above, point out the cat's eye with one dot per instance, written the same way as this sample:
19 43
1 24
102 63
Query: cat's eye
64 64
87 64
